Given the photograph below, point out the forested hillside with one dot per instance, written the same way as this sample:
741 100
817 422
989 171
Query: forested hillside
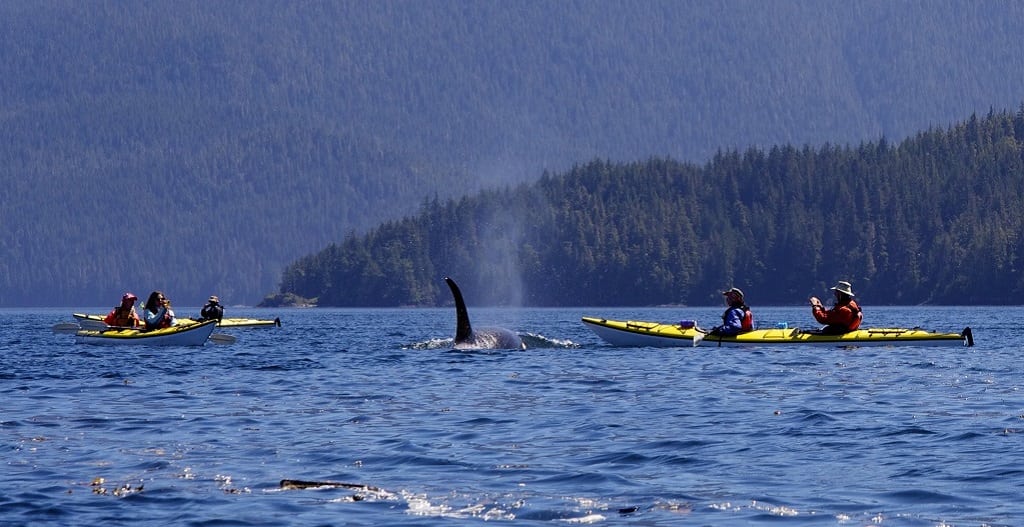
199 147
933 219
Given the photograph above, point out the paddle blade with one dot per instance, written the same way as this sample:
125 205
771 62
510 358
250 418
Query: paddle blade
88 323
697 337
221 338
66 327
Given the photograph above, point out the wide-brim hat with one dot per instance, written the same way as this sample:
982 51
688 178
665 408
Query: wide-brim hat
733 291
843 287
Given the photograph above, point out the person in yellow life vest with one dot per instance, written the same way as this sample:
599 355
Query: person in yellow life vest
737 318
844 317
158 312
124 315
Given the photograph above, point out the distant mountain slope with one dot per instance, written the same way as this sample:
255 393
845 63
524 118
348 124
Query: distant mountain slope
199 147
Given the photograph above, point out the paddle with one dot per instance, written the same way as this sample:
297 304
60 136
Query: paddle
222 338
98 325
66 327
698 336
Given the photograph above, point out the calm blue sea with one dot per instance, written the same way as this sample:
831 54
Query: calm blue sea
570 431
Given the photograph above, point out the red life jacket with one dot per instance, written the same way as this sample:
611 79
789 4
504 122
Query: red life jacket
122 317
858 315
748 318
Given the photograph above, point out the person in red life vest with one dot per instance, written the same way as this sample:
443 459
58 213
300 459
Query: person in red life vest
124 315
844 317
158 312
737 318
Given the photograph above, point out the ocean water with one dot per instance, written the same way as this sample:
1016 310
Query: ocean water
570 431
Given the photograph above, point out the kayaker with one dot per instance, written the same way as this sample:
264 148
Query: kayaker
124 315
212 310
844 317
737 318
158 312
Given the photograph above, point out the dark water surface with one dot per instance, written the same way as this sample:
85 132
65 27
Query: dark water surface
571 431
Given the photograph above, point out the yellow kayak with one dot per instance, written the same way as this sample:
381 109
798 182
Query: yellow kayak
223 323
181 335
656 334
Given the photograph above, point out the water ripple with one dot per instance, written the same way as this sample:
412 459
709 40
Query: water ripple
569 431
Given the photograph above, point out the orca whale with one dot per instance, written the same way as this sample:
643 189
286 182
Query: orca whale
481 338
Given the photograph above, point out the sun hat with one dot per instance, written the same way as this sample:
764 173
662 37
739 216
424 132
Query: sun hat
735 290
213 298
843 287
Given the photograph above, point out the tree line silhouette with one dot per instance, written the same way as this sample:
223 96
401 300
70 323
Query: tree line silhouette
933 219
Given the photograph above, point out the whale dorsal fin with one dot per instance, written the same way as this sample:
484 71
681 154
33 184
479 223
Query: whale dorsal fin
462 328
